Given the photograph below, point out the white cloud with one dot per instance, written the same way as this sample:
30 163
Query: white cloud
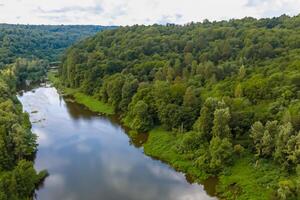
270 8
128 12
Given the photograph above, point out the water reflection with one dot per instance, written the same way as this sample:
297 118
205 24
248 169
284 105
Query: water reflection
90 157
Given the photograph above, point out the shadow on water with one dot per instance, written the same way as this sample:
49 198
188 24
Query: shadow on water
79 111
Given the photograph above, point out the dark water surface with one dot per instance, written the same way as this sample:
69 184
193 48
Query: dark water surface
89 157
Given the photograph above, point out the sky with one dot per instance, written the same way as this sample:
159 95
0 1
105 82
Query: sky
129 12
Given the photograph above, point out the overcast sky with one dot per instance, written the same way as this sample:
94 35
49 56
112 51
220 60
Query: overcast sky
128 12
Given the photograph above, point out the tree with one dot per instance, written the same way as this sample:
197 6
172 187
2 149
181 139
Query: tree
5 160
190 98
221 123
141 120
257 133
238 93
188 59
264 137
242 73
286 190
204 123
285 132
267 144
128 90
221 152
170 116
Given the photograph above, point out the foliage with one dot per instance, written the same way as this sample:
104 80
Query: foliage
18 178
224 88
39 41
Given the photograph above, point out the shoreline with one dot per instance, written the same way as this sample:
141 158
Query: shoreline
243 180
190 172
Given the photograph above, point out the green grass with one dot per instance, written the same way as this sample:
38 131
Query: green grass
243 180
91 103
52 76
162 144
248 180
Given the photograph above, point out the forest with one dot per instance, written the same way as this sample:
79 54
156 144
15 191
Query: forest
218 98
40 41
25 54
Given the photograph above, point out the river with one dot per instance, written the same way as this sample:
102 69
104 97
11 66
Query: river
90 157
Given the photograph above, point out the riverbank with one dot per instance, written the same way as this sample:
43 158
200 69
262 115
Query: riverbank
90 102
245 179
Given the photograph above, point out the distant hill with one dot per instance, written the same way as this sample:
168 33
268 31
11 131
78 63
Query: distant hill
40 41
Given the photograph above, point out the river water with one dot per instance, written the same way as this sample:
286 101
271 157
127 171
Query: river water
89 157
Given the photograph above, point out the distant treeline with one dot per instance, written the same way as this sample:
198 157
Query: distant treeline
229 87
40 41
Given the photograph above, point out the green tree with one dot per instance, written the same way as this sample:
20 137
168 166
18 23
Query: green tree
221 123
141 120
204 123
221 153
285 132
257 133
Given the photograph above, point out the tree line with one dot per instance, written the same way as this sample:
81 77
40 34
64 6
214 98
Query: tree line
40 41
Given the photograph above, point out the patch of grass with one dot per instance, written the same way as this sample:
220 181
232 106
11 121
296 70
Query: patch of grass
163 145
244 180
90 102
52 77
247 179
93 104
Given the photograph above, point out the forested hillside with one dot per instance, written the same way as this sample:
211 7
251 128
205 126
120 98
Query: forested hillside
39 41
224 94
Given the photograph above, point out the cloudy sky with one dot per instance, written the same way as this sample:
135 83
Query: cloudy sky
128 12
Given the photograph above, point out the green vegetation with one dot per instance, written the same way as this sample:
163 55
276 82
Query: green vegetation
163 145
92 103
39 41
18 178
247 181
225 94
25 72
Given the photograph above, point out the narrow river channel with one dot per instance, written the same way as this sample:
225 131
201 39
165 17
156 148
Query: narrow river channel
89 157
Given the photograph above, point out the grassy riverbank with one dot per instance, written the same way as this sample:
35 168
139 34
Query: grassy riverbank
245 179
162 144
90 102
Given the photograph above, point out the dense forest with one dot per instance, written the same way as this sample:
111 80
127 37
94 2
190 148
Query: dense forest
226 92
25 54
40 41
